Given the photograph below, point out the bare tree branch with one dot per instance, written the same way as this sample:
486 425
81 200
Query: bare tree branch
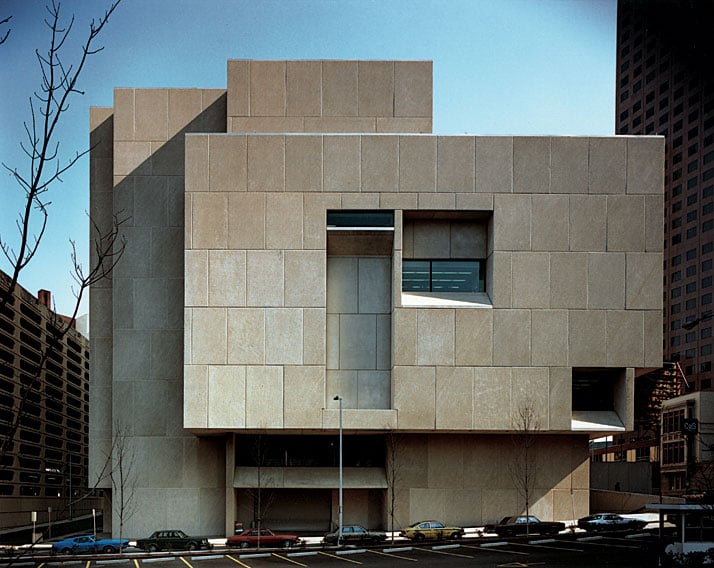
6 35
58 84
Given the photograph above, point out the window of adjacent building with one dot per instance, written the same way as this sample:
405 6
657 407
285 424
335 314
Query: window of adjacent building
709 174
708 208
677 260
707 226
676 174
676 292
706 265
677 206
690 337
691 232
676 239
676 190
690 304
675 325
692 199
707 282
693 149
673 452
708 157
691 270
706 350
691 216
707 247
672 421
706 299
708 191
675 308
692 167
690 354
676 276
674 341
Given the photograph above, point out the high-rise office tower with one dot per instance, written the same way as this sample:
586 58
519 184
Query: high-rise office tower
665 85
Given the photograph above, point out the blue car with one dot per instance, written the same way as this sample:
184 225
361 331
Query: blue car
88 543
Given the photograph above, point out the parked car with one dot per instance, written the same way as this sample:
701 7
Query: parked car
172 540
262 537
89 543
355 534
610 521
431 529
512 526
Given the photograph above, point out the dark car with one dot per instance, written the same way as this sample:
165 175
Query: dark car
610 522
354 534
172 540
513 526
89 543
261 537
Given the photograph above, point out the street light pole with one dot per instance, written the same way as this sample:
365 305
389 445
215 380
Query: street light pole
339 529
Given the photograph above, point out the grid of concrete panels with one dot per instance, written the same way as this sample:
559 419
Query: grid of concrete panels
137 171
329 96
575 276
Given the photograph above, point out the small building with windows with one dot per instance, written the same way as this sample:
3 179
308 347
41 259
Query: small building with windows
688 446
44 416
302 252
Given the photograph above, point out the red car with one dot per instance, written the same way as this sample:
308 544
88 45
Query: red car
262 537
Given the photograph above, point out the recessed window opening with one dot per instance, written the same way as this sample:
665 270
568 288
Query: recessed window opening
348 219
594 388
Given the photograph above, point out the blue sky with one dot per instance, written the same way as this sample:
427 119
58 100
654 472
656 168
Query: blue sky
501 67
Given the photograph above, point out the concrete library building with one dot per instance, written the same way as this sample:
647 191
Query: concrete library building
305 259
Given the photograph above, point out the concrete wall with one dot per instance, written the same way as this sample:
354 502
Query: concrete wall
137 317
634 477
467 479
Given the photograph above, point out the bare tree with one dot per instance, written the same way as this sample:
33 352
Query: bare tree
524 467
44 168
261 502
122 476
393 470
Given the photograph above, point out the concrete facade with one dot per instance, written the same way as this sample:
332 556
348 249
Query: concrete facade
242 308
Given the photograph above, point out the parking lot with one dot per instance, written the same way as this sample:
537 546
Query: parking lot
583 552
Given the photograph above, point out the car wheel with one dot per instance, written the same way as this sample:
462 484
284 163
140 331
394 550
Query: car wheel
108 550
153 548
244 544
455 535
66 551
287 544
419 537
192 546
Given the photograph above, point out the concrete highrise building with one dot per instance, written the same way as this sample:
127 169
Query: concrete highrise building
302 251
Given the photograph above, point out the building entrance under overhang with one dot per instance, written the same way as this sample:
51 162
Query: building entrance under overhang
308 510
